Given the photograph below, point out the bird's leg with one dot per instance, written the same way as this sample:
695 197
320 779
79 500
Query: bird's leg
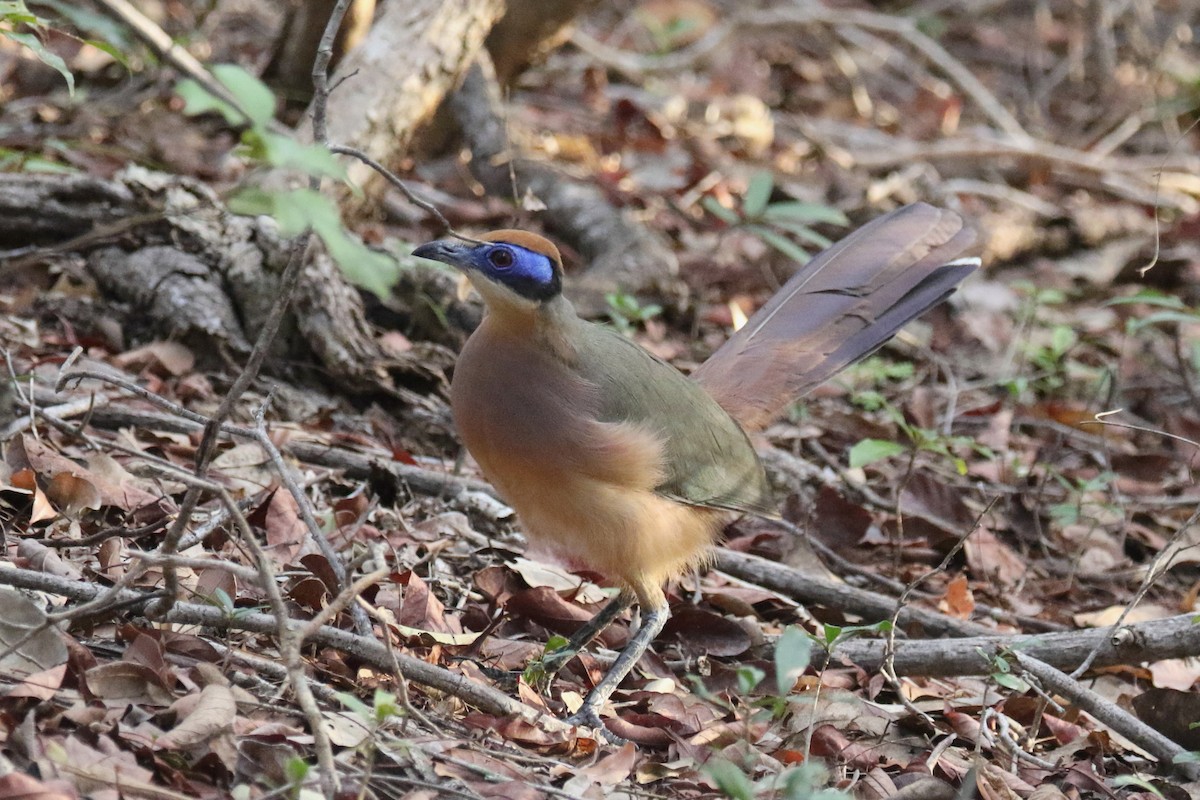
582 637
654 618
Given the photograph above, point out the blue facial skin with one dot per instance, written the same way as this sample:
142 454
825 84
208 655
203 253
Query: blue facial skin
528 273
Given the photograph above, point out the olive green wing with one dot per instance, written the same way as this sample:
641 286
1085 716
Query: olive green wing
709 459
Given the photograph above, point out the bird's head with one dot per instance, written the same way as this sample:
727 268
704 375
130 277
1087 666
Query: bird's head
508 267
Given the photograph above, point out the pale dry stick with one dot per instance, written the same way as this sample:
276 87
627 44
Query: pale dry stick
888 670
304 508
437 789
1001 191
866 604
814 14
344 598
495 777
907 30
845 566
212 427
289 635
95 774
1112 174
377 555
16 384
121 382
355 464
62 411
860 487
263 668
1003 739
1121 721
248 574
397 671
370 650
1162 562
167 50
395 181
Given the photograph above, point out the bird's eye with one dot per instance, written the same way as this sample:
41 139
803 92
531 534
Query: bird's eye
501 258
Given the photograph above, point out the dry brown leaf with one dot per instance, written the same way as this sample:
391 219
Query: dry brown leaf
992 559
29 645
24 481
1144 612
1176 673
212 716
23 787
159 358
537 573
122 683
40 686
72 494
700 631
958 601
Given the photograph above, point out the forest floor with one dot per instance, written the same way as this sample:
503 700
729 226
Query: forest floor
1019 461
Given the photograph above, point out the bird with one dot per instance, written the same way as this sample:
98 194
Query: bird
619 461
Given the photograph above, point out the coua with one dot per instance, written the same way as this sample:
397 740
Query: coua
620 461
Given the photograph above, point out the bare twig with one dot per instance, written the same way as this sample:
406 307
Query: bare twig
166 49
212 426
815 14
1121 721
368 649
810 588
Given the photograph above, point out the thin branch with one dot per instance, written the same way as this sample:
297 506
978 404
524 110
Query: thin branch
369 649
167 50
1121 721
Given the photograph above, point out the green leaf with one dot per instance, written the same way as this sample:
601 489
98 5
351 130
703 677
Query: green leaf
798 211
45 56
1150 297
117 54
793 654
781 243
728 216
279 150
300 209
373 271
296 769
354 704
1062 339
556 643
197 100
115 35
757 195
17 13
385 706
250 93
802 231
1010 681
749 676
1190 757
1159 317
730 780
1137 780
869 451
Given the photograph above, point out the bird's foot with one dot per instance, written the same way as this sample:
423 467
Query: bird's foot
588 717
555 660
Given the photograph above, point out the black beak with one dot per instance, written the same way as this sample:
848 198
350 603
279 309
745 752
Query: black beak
447 251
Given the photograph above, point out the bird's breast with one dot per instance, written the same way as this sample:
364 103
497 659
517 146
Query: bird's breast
585 487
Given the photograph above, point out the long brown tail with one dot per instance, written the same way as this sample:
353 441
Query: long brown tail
838 308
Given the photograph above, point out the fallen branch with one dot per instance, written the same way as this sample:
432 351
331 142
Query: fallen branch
1174 637
369 649
869 605
1121 721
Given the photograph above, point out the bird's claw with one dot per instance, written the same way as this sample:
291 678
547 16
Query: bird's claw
588 717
